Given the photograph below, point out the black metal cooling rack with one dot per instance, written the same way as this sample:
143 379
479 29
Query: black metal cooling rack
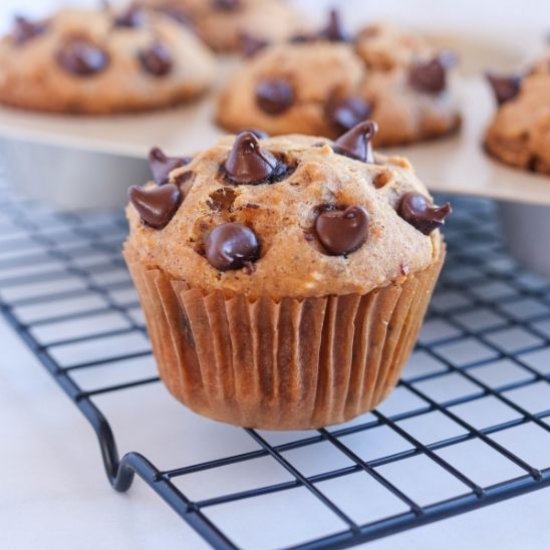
482 366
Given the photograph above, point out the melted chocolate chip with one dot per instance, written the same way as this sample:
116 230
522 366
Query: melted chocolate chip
222 199
416 209
250 45
156 206
342 231
274 96
431 76
156 59
131 18
357 143
81 57
345 113
161 165
231 246
25 30
505 88
226 5
248 164
334 31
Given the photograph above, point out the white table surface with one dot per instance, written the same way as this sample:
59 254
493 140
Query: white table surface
53 492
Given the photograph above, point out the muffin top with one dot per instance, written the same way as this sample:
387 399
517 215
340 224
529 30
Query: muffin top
325 83
102 61
519 133
285 216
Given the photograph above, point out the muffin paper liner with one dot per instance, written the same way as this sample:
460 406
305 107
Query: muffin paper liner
281 364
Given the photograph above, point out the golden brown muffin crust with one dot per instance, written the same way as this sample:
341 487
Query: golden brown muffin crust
292 262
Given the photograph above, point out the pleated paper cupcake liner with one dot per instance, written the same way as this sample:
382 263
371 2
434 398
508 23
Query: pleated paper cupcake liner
281 363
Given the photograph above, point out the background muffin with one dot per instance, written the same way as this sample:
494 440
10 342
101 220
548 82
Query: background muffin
324 84
223 23
519 134
102 61
284 280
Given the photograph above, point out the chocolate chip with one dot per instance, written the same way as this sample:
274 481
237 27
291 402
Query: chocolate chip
132 17
231 246
250 45
357 143
156 206
417 210
222 199
260 134
334 31
80 57
345 113
156 59
431 76
274 96
248 164
25 30
161 165
226 5
504 87
342 231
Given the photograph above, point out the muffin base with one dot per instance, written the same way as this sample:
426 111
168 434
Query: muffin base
281 364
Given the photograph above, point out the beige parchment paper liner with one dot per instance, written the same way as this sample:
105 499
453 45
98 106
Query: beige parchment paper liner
281 364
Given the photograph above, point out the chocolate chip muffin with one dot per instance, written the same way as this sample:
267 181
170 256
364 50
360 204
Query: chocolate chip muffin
519 134
225 24
284 280
102 61
324 84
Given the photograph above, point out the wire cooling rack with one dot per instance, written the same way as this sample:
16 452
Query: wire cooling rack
468 425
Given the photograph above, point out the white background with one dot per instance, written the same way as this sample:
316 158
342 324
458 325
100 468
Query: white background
53 492
505 15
